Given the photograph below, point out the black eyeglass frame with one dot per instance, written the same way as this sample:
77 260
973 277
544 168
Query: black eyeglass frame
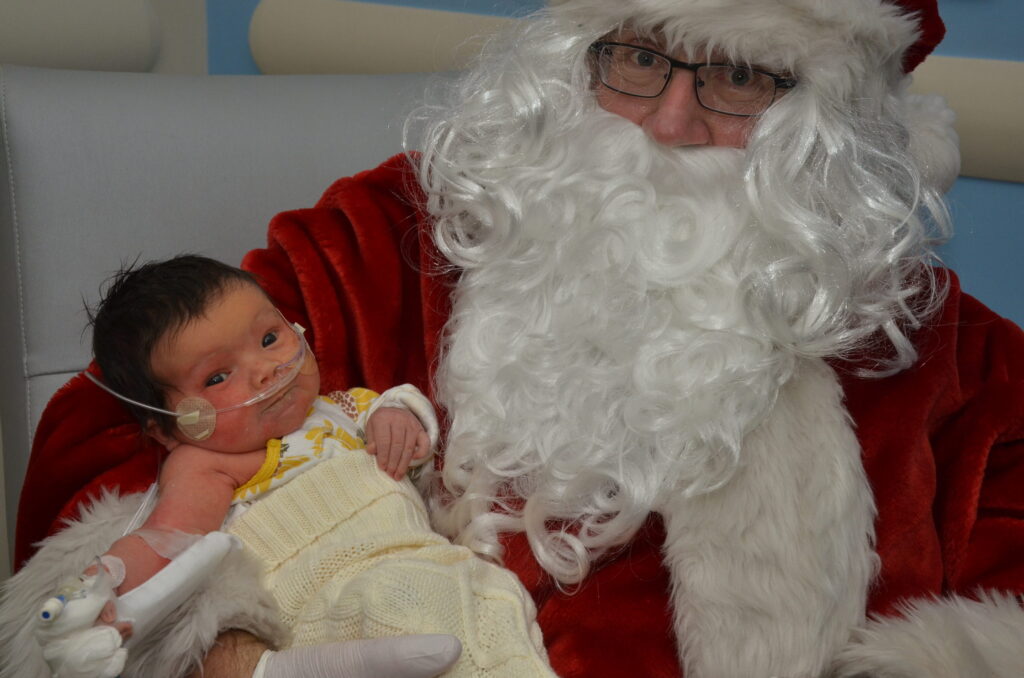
780 81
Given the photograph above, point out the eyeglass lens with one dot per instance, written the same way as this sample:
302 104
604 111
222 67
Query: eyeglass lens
723 88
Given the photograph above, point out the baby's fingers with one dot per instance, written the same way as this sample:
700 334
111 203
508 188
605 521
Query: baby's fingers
397 455
422 446
408 452
380 441
417 447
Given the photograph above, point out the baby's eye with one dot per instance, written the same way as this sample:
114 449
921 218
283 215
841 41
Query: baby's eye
269 338
216 379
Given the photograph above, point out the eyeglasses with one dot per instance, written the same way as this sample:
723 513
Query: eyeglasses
722 88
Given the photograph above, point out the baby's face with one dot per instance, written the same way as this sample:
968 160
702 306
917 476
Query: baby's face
229 355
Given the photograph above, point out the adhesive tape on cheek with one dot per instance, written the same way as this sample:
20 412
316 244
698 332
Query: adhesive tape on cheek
196 418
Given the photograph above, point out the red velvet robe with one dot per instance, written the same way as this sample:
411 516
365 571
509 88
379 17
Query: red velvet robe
942 442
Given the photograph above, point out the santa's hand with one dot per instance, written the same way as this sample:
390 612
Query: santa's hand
421 656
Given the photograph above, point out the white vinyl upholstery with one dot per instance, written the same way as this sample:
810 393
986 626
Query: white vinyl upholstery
101 168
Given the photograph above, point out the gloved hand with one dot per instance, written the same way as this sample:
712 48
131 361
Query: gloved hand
73 646
421 656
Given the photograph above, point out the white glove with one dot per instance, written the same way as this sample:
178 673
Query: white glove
73 646
421 656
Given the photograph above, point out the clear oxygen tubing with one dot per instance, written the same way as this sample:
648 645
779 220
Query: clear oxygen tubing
196 417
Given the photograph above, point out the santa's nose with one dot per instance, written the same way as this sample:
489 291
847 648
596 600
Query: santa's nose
678 119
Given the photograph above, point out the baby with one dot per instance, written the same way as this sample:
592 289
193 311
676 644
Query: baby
214 372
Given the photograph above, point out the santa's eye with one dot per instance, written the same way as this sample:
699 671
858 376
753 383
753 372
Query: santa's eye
644 59
740 77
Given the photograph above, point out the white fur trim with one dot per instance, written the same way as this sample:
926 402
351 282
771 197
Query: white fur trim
934 144
952 637
770 572
231 599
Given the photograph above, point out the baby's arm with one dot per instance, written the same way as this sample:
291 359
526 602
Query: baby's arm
195 494
195 488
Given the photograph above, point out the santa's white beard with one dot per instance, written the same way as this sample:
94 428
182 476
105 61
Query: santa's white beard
602 356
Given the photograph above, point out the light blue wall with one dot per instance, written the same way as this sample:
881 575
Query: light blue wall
988 215
227 37
983 29
986 251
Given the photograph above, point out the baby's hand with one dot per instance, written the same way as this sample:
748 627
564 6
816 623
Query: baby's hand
113 570
78 630
396 437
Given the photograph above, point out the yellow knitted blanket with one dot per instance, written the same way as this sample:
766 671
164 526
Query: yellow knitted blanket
348 553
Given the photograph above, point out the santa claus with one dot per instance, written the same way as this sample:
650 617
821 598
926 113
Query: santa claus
707 394
674 221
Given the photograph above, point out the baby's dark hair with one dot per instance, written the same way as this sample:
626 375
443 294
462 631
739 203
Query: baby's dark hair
142 304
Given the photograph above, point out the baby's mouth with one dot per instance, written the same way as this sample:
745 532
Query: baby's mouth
278 398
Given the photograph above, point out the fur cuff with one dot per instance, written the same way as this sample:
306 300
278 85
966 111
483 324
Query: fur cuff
231 599
948 638
934 143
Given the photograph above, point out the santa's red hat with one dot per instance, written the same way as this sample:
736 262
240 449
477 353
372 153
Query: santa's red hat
931 28
809 36
841 51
